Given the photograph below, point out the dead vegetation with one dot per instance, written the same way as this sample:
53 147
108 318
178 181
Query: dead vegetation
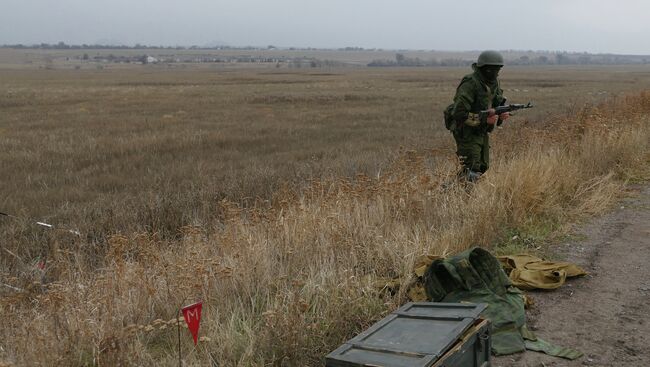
286 261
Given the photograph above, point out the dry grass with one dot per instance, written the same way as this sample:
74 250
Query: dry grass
148 149
285 277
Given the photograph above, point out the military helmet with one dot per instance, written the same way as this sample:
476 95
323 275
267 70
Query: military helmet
489 58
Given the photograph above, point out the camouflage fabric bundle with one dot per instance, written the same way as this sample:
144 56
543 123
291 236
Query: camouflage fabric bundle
476 276
530 272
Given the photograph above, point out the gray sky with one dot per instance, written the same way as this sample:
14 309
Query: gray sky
621 26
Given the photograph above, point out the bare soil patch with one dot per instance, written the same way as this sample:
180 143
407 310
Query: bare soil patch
604 315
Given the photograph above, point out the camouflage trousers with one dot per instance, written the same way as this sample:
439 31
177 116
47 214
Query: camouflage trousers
473 150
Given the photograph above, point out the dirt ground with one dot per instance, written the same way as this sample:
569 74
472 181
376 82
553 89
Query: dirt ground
605 315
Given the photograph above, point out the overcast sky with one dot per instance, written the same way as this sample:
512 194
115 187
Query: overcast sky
621 26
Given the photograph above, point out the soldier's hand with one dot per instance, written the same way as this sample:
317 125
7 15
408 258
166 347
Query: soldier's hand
492 117
504 116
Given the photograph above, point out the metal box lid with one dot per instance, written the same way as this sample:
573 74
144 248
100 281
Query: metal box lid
416 334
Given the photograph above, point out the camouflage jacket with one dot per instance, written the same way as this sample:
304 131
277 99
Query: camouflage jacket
474 95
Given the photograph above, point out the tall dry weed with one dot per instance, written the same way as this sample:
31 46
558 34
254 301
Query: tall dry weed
285 283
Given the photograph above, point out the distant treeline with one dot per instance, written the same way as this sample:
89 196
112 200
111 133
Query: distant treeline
560 58
279 61
138 46
401 58
64 46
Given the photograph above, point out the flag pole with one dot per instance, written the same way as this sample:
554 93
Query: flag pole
178 324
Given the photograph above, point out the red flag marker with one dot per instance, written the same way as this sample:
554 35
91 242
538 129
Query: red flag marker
192 315
41 265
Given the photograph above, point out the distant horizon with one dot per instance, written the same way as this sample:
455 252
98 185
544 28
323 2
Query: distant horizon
214 46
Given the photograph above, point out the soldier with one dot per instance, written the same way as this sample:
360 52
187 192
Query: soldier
478 91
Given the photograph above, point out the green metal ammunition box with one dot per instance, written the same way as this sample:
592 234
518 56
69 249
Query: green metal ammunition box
421 334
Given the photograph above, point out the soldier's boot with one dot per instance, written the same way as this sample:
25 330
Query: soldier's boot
472 176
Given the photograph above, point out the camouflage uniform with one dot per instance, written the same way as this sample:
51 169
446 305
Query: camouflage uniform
475 93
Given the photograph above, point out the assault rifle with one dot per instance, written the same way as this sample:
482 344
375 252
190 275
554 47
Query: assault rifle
504 108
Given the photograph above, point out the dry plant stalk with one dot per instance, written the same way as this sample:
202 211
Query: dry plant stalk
285 284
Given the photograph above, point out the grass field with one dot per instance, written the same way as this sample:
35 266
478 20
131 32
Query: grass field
276 196
125 147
